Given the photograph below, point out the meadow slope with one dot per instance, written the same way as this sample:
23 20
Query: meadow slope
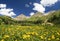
29 33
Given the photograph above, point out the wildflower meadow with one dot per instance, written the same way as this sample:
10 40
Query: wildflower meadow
29 33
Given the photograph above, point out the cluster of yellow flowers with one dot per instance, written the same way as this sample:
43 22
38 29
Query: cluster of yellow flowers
6 36
26 36
42 37
58 33
32 33
53 37
28 33
2 40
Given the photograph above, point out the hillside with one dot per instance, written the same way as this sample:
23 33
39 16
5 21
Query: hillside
38 18
6 20
54 17
31 29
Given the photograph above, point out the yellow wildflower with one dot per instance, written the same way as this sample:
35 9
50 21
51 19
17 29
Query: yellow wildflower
2 40
57 39
46 32
26 36
58 33
36 33
16 40
9 29
45 37
53 37
33 33
12 25
41 37
49 38
6 36
28 33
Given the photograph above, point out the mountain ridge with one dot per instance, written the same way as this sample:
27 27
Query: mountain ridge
37 14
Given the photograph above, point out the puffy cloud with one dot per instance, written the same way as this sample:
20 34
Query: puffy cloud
7 12
38 7
2 5
48 2
43 3
32 13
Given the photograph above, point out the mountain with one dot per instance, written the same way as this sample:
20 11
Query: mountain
37 14
21 17
38 18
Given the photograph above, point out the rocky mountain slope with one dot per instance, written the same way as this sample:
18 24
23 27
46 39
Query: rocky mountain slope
21 17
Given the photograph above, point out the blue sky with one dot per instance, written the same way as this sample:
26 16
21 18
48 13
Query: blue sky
30 7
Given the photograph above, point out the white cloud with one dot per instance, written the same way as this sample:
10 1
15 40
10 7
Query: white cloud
26 5
48 2
38 7
32 13
43 3
2 5
7 12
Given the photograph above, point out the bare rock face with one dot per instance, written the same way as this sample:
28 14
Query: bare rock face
21 17
38 14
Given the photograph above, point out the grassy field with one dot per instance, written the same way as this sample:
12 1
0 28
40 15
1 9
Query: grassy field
29 33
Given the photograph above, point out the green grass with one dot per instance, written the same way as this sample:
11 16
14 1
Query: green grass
29 33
